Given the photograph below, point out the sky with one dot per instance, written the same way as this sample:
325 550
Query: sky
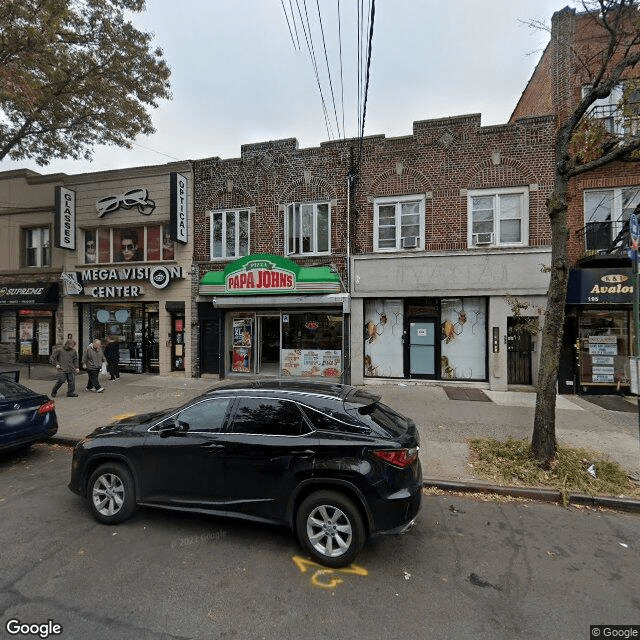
239 77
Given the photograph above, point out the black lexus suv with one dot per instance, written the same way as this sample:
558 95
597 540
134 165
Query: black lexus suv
328 460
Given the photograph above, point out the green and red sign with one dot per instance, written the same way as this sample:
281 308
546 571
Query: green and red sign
264 273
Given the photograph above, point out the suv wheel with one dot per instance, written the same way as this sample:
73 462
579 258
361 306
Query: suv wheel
111 493
330 528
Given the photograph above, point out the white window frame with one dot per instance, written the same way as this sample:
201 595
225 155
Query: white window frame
496 193
612 114
617 217
313 250
40 242
398 201
224 213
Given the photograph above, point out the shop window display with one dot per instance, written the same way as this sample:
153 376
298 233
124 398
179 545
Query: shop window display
107 245
311 345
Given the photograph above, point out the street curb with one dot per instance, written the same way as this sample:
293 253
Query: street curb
534 493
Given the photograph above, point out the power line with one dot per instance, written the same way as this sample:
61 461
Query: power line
286 17
324 44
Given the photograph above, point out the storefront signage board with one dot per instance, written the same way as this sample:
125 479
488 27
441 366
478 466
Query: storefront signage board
178 208
65 218
600 286
264 274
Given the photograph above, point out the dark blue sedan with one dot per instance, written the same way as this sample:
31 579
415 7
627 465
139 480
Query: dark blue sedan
25 415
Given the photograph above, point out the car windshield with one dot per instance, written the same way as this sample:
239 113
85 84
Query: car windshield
10 389
384 417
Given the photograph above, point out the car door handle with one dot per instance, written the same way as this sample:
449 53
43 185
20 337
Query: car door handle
212 446
306 452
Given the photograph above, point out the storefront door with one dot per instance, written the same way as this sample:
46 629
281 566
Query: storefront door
421 348
269 345
152 351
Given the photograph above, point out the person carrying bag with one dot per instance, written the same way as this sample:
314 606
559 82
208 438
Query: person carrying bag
92 361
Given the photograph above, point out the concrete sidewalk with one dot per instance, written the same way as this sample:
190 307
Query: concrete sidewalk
445 425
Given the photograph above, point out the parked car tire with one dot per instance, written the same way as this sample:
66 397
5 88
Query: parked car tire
111 493
329 526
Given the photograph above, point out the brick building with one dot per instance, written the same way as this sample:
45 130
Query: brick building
598 329
406 268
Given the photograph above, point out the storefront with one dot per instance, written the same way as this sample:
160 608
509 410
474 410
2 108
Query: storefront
598 337
266 315
447 316
128 266
433 338
27 321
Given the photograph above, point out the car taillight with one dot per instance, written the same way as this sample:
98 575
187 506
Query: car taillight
400 458
47 407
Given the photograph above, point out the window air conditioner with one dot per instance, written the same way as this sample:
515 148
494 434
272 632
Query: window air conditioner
409 242
482 238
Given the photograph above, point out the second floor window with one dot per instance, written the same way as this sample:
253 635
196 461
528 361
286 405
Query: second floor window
105 245
37 247
498 218
399 223
605 213
308 228
619 112
229 233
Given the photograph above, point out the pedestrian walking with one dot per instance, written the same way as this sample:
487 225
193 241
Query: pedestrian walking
66 362
92 361
112 354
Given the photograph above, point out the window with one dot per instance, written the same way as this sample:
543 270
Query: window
308 228
205 416
399 223
229 233
127 244
619 111
268 416
605 213
37 247
498 218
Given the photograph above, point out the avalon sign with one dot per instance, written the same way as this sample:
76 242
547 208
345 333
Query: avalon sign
600 286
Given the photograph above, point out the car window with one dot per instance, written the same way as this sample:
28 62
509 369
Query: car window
342 424
206 415
10 389
269 416
384 416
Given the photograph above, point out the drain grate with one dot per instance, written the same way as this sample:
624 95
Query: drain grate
474 395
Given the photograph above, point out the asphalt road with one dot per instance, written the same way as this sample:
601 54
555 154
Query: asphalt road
469 569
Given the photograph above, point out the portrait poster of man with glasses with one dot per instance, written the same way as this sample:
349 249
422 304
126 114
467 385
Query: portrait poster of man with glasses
128 245
90 254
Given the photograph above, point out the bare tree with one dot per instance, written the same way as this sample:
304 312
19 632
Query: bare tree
606 57
74 74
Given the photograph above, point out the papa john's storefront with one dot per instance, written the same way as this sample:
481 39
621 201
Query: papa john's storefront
266 315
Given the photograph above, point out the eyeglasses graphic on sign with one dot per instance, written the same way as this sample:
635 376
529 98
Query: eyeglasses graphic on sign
134 198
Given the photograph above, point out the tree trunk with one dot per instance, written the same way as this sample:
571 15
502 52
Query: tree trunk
543 442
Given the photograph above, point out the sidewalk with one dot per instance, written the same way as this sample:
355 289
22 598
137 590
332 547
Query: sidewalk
445 425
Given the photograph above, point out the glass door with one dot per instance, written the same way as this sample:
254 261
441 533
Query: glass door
421 348
152 341
269 345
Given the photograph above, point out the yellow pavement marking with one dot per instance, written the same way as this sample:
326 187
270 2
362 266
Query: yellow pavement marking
324 577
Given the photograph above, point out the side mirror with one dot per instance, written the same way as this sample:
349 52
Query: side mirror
172 428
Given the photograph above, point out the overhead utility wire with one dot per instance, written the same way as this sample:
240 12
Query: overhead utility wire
326 58
309 40
344 135
286 17
366 86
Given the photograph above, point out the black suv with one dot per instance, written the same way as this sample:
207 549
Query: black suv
329 460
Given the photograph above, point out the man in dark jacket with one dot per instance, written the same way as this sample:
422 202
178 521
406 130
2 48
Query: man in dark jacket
112 354
66 362
92 360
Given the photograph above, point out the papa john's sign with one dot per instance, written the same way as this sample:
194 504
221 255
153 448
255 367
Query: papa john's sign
264 273
260 274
